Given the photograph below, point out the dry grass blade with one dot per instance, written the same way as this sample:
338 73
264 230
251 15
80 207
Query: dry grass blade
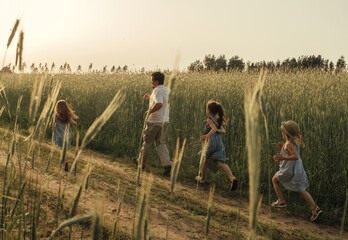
142 207
139 169
171 85
35 99
18 198
100 121
65 145
202 157
210 205
2 110
176 165
78 195
47 110
344 215
20 50
120 200
98 124
3 94
70 222
13 33
97 227
253 147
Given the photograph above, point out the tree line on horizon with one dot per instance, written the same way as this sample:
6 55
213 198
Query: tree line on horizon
235 63
209 63
64 68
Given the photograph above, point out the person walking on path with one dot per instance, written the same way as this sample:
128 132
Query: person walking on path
156 124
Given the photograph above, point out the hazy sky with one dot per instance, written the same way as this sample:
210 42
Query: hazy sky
150 33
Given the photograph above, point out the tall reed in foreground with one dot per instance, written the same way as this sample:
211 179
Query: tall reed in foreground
118 210
75 220
344 215
98 124
141 217
253 143
19 52
210 205
3 94
176 164
9 41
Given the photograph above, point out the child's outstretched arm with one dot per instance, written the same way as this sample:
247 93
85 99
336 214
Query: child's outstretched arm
72 122
293 154
212 131
221 130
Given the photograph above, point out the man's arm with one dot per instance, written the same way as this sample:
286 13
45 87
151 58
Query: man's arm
156 107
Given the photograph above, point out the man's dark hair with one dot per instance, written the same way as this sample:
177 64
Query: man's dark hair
159 77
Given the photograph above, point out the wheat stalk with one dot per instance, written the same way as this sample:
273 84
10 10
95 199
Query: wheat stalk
176 164
13 33
3 94
210 205
253 146
142 207
98 124
70 222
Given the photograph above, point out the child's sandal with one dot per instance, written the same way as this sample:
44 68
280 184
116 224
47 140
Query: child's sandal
278 204
316 213
234 183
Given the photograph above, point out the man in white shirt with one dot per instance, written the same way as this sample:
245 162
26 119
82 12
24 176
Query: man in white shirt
157 123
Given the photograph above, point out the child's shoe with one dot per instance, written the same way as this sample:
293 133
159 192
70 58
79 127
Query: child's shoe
278 204
234 183
66 166
199 179
316 213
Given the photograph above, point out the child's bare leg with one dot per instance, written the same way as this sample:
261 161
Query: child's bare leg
226 169
204 169
309 199
277 189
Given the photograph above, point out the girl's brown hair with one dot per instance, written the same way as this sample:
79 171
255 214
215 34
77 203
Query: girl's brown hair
216 108
64 112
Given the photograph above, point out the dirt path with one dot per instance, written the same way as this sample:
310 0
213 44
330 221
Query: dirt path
184 211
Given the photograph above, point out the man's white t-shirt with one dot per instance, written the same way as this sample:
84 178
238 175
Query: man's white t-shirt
159 95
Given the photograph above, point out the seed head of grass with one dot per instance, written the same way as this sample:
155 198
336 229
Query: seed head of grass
13 32
3 94
100 121
142 206
253 142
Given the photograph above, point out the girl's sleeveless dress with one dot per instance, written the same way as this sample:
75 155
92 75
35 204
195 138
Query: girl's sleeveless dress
291 173
58 132
216 149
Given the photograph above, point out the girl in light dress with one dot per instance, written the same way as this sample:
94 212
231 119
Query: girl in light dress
291 173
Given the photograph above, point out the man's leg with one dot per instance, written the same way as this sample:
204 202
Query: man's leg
149 136
161 146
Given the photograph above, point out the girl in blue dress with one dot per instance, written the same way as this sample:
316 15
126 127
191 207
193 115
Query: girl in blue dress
291 173
216 150
62 118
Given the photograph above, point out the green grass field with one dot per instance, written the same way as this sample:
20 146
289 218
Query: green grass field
317 101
